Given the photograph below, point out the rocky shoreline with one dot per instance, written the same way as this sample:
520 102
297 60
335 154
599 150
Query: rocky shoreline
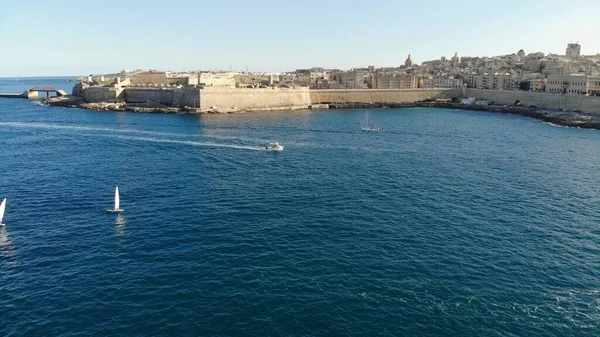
562 118
76 102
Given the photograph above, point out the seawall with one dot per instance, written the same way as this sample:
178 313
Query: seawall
248 99
219 99
544 100
380 95
207 99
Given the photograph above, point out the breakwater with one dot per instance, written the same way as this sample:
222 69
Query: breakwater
12 95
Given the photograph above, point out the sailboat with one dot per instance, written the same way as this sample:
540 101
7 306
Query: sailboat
365 125
2 207
117 201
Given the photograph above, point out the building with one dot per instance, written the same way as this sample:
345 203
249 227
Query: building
594 86
303 77
217 79
567 84
573 51
354 79
395 81
160 78
493 82
317 75
440 82
534 84
287 78
409 61
521 55
455 60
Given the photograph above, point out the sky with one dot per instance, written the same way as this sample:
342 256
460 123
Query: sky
66 37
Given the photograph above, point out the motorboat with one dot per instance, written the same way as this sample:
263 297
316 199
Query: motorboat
274 147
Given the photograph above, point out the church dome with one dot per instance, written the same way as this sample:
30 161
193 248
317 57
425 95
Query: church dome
455 58
409 61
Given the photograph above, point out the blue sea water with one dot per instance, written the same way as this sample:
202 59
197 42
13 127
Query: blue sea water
446 223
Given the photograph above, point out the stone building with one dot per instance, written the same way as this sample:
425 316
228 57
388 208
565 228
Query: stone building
455 60
409 61
354 79
161 78
521 56
567 84
217 79
303 77
440 82
395 81
536 84
594 85
573 51
493 82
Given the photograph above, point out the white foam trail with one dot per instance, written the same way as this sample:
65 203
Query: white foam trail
555 125
157 140
191 143
88 128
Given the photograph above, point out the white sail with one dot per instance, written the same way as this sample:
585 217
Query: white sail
365 122
366 127
2 207
117 198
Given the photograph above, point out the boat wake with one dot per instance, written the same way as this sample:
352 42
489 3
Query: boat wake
191 143
124 131
89 128
127 131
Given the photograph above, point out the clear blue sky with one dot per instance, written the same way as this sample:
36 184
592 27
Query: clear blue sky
66 37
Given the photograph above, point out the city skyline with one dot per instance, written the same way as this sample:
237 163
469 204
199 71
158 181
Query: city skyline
276 37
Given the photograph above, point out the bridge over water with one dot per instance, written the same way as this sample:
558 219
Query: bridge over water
34 93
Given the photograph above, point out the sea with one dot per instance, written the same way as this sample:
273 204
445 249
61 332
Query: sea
445 223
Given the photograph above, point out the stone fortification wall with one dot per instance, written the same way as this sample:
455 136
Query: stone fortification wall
233 99
102 94
186 97
77 90
166 96
540 99
380 95
149 95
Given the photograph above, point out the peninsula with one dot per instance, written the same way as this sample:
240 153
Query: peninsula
563 89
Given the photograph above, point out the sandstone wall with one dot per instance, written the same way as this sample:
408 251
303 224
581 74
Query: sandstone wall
77 90
166 96
186 97
540 99
380 95
149 95
102 94
233 99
